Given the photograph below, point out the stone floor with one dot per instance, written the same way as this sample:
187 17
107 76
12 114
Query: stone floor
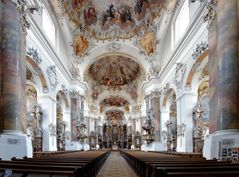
116 166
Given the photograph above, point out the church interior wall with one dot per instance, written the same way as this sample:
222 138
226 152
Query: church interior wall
178 83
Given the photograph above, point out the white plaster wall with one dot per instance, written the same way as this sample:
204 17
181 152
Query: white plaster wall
48 105
186 101
138 125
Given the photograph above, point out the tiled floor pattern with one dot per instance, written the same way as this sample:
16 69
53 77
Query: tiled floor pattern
116 166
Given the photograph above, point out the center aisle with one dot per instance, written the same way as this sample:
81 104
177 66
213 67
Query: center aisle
116 166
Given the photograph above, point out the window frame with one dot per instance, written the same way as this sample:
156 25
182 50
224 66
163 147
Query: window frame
51 21
177 33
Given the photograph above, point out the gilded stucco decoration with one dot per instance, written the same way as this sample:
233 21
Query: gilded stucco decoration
146 39
104 19
114 117
200 48
148 42
114 101
29 76
81 44
204 73
136 108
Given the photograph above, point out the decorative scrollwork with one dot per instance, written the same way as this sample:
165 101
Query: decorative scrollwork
210 14
35 55
201 47
22 8
51 71
52 129
181 129
179 74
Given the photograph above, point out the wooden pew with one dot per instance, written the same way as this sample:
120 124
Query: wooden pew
157 164
75 164
228 170
50 153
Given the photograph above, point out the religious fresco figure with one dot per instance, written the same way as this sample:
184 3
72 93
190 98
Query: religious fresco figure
138 6
148 42
108 14
125 15
105 18
80 44
90 15
75 3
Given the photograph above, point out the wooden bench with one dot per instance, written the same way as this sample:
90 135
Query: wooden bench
197 171
57 165
165 165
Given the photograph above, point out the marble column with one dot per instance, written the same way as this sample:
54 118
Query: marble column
75 113
227 66
223 80
11 67
154 105
155 96
223 63
13 83
212 42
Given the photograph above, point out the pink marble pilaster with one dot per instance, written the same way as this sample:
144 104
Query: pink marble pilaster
74 116
213 62
155 96
11 44
227 72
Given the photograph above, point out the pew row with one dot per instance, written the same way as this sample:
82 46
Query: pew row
75 164
147 164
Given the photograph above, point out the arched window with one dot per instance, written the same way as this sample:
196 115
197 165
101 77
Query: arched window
181 22
48 26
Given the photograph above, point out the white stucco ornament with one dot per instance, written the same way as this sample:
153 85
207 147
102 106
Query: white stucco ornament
51 71
179 74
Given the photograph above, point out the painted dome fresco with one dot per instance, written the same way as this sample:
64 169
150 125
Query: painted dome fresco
114 71
124 18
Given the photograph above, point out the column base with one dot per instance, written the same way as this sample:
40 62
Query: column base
15 144
154 146
216 142
73 146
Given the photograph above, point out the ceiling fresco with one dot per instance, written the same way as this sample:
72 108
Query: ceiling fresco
114 117
114 101
124 18
148 42
114 71
80 45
